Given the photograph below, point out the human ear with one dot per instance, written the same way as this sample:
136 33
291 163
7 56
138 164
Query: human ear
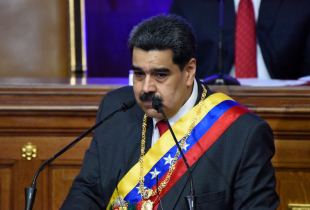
190 69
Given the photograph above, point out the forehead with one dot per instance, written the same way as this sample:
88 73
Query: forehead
152 58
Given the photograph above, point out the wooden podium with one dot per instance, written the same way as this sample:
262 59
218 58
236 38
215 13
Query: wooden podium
40 117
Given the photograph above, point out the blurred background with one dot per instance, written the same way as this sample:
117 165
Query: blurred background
42 38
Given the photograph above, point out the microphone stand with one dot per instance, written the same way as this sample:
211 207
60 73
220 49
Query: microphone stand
30 192
220 78
191 198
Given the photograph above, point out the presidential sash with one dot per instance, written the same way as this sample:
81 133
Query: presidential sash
217 114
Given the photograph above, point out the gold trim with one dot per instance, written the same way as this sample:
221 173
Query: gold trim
298 206
81 80
72 35
29 151
72 13
83 33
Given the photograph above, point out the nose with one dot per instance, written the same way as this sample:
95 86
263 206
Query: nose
149 85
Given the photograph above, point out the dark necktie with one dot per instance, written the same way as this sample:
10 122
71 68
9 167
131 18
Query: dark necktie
162 127
245 42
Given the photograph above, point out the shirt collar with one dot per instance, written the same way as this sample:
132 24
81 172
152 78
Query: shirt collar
189 104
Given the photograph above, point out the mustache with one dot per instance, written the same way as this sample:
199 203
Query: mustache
150 97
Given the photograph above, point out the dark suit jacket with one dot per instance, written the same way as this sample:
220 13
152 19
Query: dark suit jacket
283 33
235 173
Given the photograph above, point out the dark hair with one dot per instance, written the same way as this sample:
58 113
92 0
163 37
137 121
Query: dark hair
164 32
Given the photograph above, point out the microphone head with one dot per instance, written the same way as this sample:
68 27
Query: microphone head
128 104
157 105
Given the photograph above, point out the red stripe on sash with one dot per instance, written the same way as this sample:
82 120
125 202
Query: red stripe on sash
204 143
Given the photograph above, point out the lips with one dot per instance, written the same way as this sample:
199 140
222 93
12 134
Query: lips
148 103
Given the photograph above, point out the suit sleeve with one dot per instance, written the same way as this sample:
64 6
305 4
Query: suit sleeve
85 192
255 181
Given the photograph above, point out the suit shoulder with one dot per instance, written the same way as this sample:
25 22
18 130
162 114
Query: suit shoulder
125 92
119 95
251 121
115 98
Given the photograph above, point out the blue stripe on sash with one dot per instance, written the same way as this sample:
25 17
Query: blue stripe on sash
199 130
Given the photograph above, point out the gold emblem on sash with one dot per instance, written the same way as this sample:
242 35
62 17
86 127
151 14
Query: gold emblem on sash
147 205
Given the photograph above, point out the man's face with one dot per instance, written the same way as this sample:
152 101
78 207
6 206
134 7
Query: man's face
155 75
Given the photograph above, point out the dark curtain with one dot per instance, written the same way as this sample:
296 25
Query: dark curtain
108 24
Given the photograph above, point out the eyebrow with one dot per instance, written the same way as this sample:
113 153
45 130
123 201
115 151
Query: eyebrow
163 69
136 68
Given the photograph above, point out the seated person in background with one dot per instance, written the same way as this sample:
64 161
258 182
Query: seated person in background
228 148
282 36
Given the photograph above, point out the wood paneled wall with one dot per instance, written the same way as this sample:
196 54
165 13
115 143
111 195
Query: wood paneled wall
50 116
34 38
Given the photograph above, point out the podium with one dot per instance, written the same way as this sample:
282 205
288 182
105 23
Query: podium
50 113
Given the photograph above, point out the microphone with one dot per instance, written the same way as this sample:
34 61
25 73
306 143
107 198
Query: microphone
191 198
30 192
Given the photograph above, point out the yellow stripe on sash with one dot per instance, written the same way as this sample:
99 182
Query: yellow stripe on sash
164 144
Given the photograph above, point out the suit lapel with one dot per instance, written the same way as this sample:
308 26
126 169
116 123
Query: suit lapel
134 135
268 13
228 35
149 132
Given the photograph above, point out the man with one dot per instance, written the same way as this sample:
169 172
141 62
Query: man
282 34
132 162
